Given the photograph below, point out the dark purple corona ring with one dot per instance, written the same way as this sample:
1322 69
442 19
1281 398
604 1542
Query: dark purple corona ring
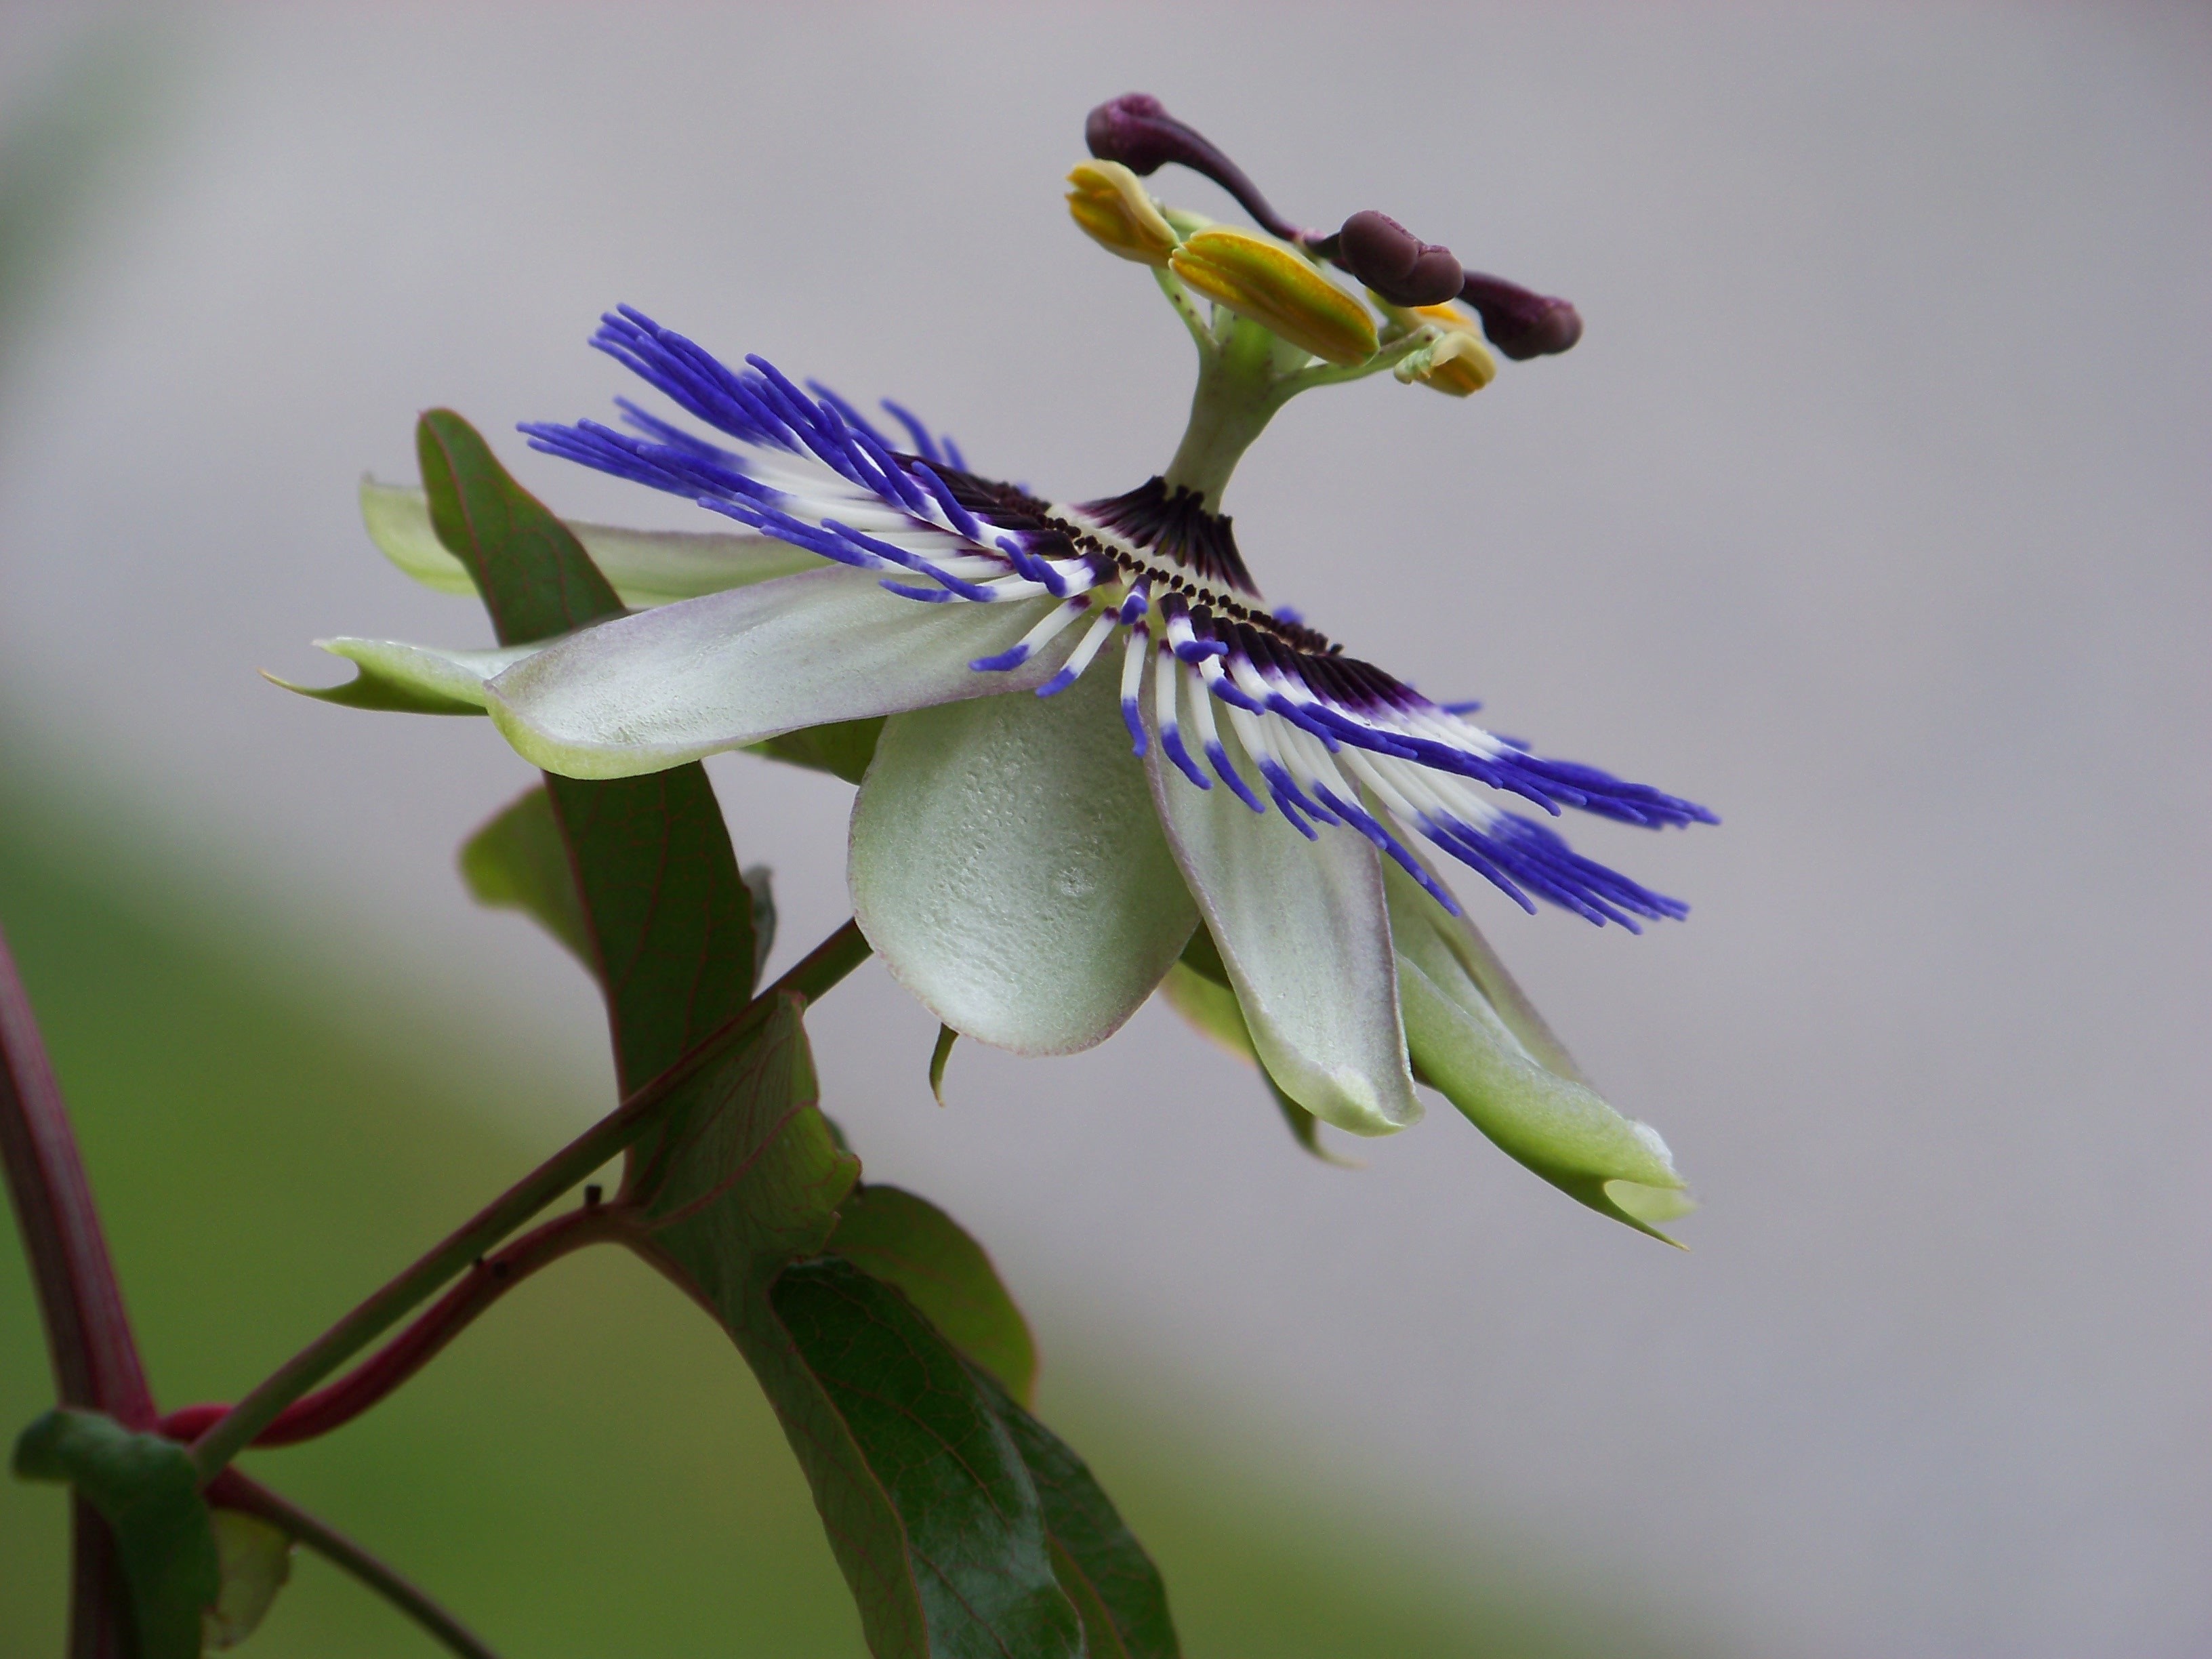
1334 744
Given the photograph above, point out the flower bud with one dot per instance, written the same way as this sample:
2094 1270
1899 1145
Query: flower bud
1111 206
1520 324
1396 264
1278 289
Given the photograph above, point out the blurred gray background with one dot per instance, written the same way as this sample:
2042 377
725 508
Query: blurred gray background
1873 510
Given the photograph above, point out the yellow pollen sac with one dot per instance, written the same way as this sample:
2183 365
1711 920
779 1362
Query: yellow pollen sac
1110 204
1278 290
1459 363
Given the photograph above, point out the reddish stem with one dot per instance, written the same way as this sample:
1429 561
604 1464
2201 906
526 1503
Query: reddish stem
492 1277
88 1333
95 1360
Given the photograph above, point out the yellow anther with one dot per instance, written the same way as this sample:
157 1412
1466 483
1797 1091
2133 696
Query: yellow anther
1458 363
1109 203
1279 290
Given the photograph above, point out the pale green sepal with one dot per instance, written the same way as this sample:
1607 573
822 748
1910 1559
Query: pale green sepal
1447 947
1006 865
411 679
398 518
1553 1123
645 692
1211 1008
940 1056
646 567
1304 933
256 1563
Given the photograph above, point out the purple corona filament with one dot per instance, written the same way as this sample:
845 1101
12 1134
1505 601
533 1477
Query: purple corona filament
1334 741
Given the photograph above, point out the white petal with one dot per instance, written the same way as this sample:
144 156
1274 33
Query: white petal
1007 866
644 693
411 673
1305 934
1546 1118
646 567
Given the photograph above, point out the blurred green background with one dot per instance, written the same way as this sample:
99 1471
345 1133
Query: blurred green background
590 1470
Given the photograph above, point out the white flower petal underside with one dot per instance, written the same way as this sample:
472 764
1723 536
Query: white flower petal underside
1007 865
646 567
1304 932
1464 1043
643 693
420 678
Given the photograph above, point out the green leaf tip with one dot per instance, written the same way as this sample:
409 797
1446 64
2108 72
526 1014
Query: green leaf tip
1117 1591
146 1489
534 577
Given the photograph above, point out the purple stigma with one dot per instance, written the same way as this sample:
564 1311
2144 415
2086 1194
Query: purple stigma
1520 324
1396 264
1136 130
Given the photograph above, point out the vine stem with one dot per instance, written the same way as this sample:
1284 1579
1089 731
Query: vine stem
808 979
88 1341
95 1361
492 1277
234 1491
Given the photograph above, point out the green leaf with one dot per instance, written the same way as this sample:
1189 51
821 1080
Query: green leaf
1101 1566
147 1491
668 916
842 748
928 1426
940 1056
257 1563
518 861
534 577
746 1180
645 567
907 1240
670 913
